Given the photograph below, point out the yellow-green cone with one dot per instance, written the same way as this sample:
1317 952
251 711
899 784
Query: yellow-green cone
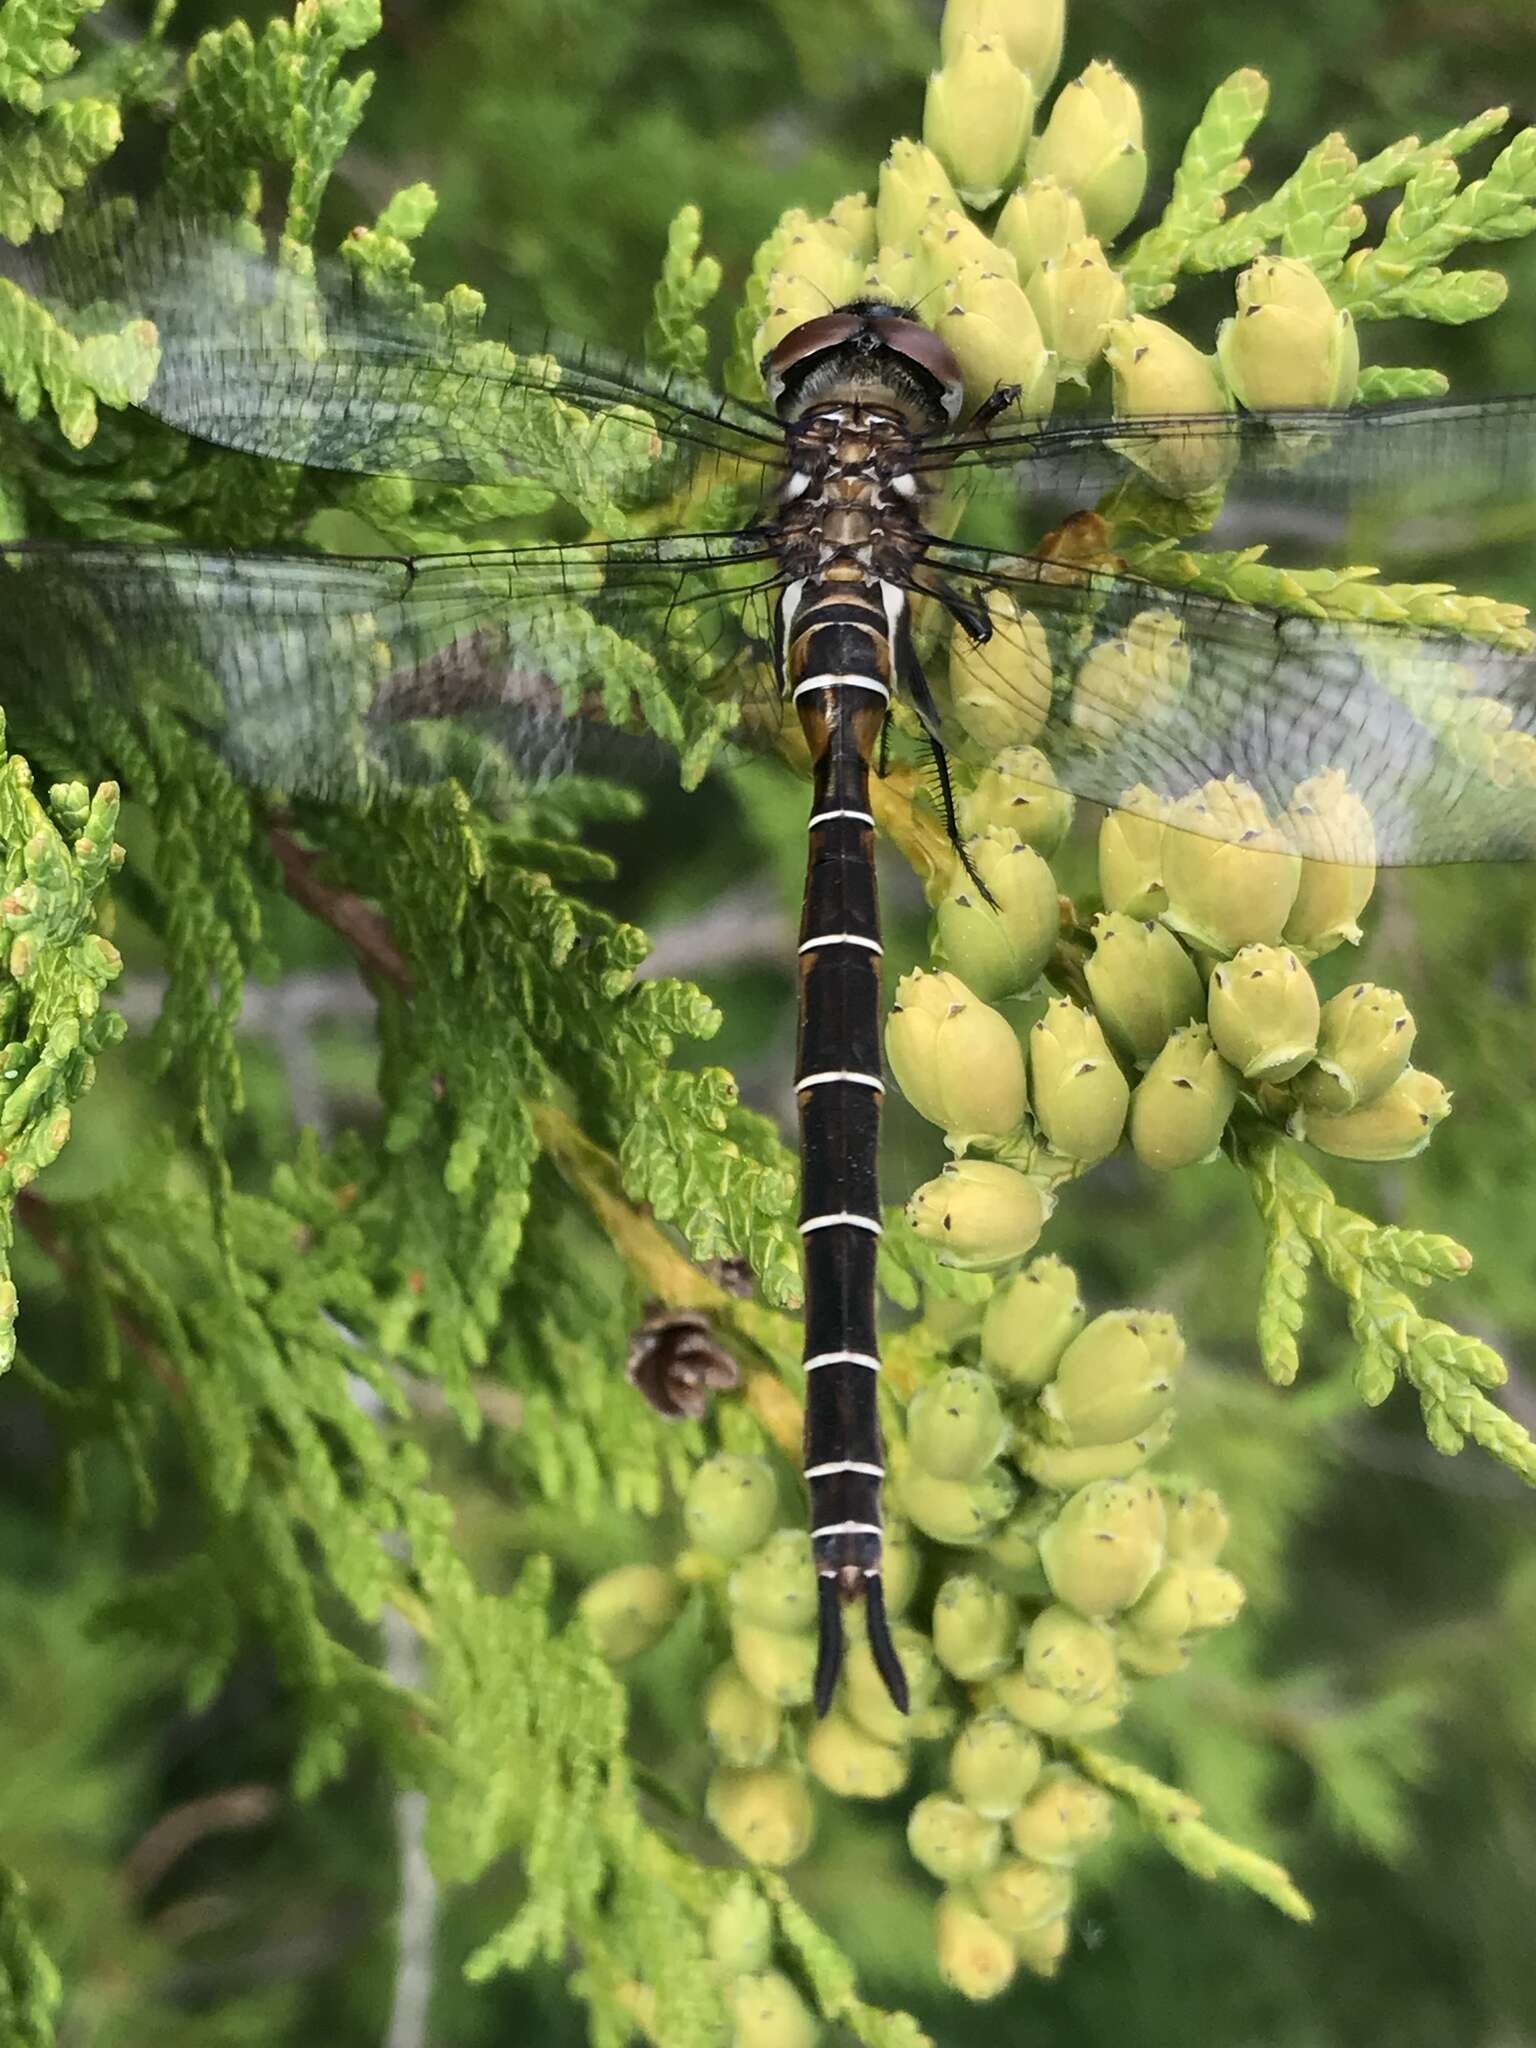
996 339
770 2013
1364 1041
979 1214
975 1627
766 1814
740 1933
955 1424
960 1512
1183 1102
1131 855
742 1726
778 1666
1069 1656
1103 1548
1288 345
1264 1013
1092 144
1041 1950
1020 793
1032 1706
1143 983
958 1062
1020 1896
951 1840
776 1586
1115 1378
1075 298
852 1763
1063 1819
951 241
1041 220
1198 1525
866 1699
1077 1091
1030 30
902 1565
1185 1600
999 948
730 1505
1135 678
1001 687
1156 371
994 1764
1230 880
914 186
974 1957
899 277
1329 826
1065 1468
977 117
628 1610
1397 1125
1030 1320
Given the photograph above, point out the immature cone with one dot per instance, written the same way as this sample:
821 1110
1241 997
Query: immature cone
955 1424
1157 371
994 1764
1288 345
1185 1600
1020 793
1131 855
776 1586
992 330
765 1815
742 1726
1020 1896
1040 221
866 1698
975 1627
950 1840
1030 1320
1264 1013
957 1062
1076 297
1078 1093
1102 1549
1000 948
1030 30
1001 687
898 277
960 1512
1230 882
1069 1656
1183 1102
913 187
820 256
1063 1819
979 1214
1198 1525
779 1666
740 1935
1064 1468
770 2013
952 240
1143 983
1331 828
1397 1125
730 1505
977 116
628 1610
1364 1039
974 1957
1135 678
1041 1950
1115 1378
852 1763
1092 145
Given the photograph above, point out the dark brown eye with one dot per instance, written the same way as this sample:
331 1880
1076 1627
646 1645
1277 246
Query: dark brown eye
926 352
811 338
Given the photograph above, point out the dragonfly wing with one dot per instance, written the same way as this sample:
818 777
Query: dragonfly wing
339 370
349 677
1139 691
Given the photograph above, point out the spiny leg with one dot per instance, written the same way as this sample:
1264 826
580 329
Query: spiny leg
951 820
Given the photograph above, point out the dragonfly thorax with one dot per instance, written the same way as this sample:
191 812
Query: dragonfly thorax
851 497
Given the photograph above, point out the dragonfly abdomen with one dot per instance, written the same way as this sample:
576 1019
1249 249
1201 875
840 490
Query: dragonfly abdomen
839 669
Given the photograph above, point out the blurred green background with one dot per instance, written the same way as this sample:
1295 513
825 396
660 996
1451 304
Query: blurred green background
1376 1725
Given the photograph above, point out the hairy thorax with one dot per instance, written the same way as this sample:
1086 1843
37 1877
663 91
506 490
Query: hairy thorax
850 508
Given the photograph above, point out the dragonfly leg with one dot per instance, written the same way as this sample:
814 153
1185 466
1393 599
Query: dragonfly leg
952 822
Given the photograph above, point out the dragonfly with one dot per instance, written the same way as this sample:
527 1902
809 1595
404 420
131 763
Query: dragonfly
800 548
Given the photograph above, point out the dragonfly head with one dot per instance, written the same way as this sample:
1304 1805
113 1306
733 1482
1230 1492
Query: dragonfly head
867 351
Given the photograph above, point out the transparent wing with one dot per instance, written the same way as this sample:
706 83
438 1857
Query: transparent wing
1413 481
341 370
1141 696
347 677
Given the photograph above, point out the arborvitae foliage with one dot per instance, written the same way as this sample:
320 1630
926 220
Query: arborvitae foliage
541 1168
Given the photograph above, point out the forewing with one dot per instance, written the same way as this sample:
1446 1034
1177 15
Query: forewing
348 677
1137 693
342 370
